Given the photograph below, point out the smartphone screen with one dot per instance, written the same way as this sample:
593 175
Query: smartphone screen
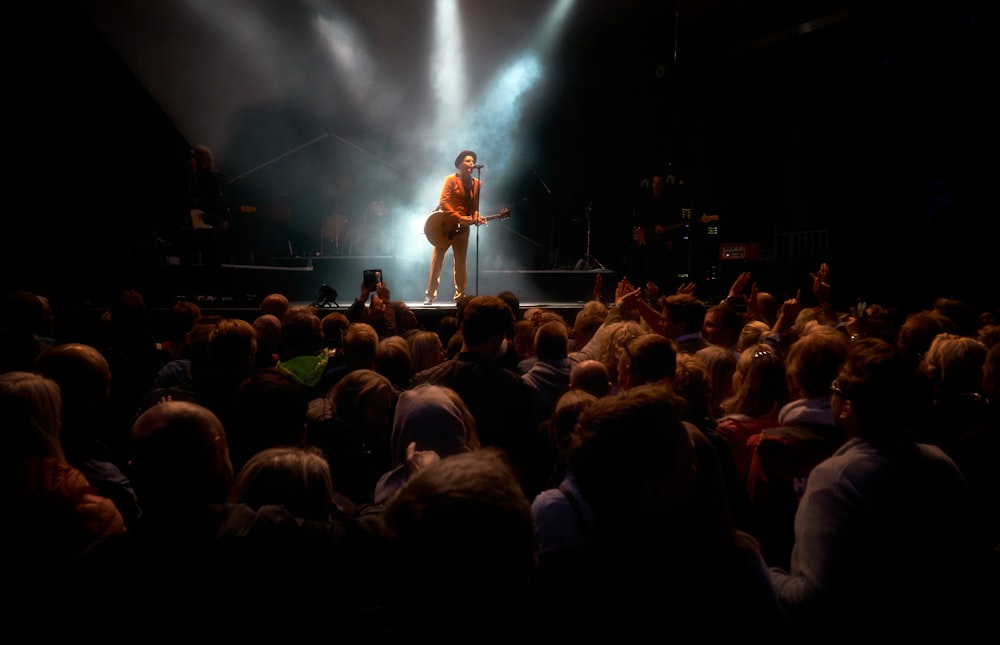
372 277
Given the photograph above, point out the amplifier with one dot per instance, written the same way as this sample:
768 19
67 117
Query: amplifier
739 251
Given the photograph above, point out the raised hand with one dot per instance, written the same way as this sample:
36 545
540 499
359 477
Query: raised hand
417 459
821 283
788 312
652 291
687 287
739 285
623 287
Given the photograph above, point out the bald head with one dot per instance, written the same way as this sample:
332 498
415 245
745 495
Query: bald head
275 304
590 376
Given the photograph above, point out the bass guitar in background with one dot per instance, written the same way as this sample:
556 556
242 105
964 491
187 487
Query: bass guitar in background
441 228
201 220
661 231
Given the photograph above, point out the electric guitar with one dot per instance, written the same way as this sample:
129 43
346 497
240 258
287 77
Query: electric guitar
639 233
198 216
441 228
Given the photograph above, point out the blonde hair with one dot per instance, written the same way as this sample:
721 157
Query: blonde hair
619 335
751 334
295 477
762 387
426 350
954 363
31 409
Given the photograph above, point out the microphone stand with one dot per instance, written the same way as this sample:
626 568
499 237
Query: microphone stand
479 170
585 263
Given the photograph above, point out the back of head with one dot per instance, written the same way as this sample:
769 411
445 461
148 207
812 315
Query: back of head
460 304
524 338
179 456
918 331
693 382
632 455
768 306
686 309
751 334
446 328
392 359
812 362
268 329
483 318
585 325
356 390
275 304
201 332
552 341
958 312
291 476
271 412
954 364
591 376
594 308
564 417
23 313
618 335
512 301
203 157
232 350
462 531
301 332
650 358
720 361
334 324
360 346
82 372
183 313
763 387
426 349
886 393
31 410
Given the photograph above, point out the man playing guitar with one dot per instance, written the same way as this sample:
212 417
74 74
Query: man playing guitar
662 223
459 201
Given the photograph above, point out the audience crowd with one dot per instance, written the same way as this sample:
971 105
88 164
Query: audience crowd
752 467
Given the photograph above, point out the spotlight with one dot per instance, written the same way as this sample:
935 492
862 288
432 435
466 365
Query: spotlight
327 297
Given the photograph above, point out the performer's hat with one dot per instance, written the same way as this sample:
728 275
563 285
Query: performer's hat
463 155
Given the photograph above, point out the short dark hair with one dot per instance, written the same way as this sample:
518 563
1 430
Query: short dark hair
653 358
685 308
883 385
484 316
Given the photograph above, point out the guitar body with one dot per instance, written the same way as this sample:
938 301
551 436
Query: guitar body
198 219
441 228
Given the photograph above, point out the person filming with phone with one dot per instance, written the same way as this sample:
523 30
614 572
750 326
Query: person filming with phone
375 307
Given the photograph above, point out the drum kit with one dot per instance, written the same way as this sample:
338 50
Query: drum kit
368 235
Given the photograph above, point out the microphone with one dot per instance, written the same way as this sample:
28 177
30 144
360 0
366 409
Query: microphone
479 167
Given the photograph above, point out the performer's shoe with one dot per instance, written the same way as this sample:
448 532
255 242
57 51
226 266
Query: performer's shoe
429 300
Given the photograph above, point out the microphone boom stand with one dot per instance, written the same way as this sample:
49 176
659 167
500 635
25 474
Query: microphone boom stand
587 261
